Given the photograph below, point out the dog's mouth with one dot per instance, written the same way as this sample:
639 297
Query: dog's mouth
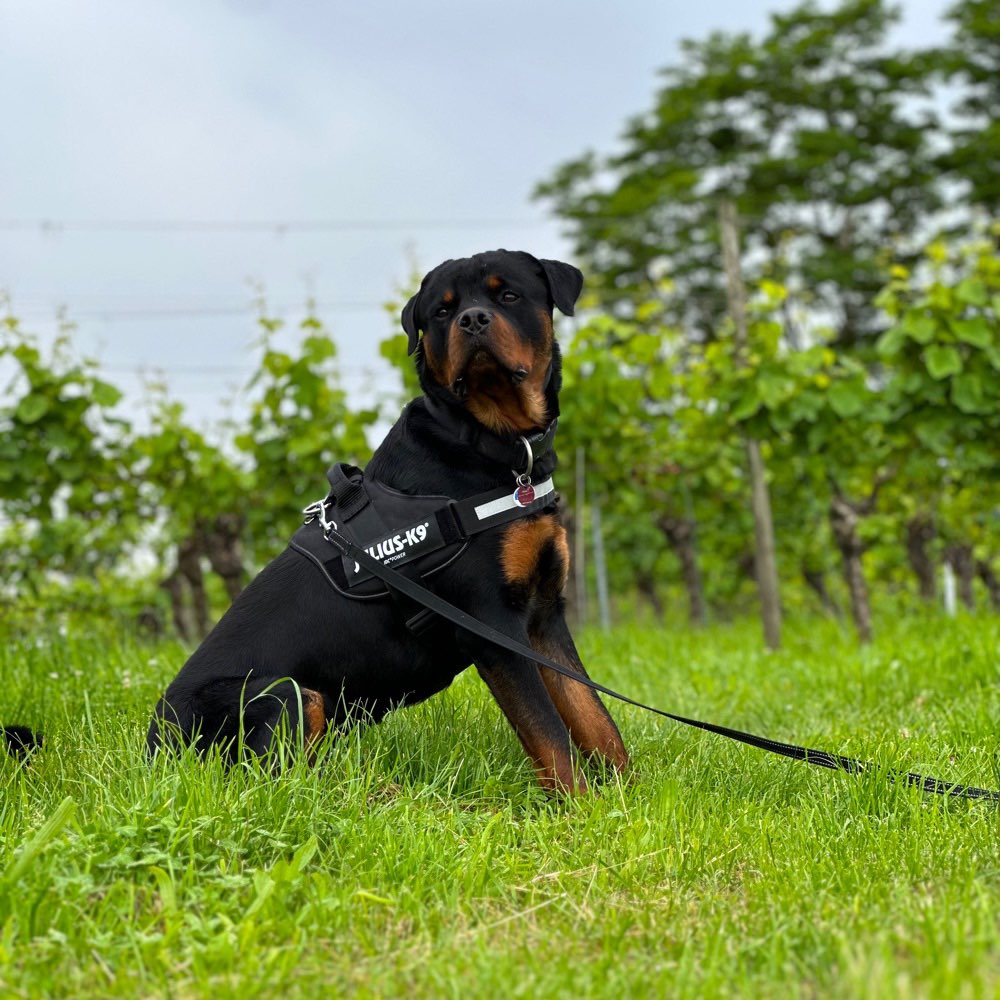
484 372
501 395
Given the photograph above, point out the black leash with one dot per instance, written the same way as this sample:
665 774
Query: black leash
820 758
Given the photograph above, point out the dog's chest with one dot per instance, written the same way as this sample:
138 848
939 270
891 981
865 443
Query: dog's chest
534 555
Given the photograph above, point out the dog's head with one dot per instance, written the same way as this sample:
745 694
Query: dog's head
487 340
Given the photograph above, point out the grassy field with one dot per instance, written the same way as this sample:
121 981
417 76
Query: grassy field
419 859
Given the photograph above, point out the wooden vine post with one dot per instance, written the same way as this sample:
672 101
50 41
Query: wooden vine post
765 561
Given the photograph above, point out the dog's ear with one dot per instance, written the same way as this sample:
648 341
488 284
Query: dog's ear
565 282
409 321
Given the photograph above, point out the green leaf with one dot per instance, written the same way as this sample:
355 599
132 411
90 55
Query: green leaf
934 434
643 348
105 394
773 388
975 331
972 291
942 360
967 393
919 327
891 341
847 399
276 363
319 348
748 405
32 408
805 406
69 470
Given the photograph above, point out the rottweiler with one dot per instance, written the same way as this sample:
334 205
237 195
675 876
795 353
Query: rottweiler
296 654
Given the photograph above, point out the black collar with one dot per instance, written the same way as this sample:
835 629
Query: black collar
530 454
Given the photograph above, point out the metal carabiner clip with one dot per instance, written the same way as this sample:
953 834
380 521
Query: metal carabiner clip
317 509
531 460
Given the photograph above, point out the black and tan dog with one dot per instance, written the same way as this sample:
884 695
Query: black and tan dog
293 651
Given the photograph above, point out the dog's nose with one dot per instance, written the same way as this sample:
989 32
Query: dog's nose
474 320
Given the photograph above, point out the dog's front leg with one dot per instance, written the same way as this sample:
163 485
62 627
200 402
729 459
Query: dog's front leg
589 723
518 689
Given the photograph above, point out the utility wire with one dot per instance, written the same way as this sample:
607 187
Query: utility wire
184 312
145 368
277 227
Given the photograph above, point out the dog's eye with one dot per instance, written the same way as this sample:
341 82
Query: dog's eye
509 296
442 312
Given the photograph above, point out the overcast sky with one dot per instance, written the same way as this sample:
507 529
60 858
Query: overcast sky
423 125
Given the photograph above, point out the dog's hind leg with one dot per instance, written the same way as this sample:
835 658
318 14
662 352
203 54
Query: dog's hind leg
240 715
21 741
284 705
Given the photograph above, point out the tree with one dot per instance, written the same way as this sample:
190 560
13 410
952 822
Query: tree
195 495
943 388
765 565
63 455
825 423
80 491
973 61
670 471
809 130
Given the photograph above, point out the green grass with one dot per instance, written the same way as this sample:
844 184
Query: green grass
419 859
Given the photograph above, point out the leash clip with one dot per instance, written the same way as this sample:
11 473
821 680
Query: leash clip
317 510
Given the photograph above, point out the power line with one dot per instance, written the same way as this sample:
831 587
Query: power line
147 368
194 312
275 227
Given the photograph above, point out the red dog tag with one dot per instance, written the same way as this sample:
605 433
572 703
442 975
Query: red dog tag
524 495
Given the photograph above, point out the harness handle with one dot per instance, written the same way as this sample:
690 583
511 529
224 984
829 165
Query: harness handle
347 487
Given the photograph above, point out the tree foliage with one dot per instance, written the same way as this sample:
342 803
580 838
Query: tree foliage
813 132
300 424
972 62
63 458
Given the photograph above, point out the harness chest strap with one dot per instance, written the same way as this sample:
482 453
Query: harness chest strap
381 522
454 522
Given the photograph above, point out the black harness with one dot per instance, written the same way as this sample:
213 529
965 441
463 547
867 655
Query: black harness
418 535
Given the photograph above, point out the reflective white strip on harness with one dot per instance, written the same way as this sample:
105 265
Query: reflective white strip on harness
509 502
